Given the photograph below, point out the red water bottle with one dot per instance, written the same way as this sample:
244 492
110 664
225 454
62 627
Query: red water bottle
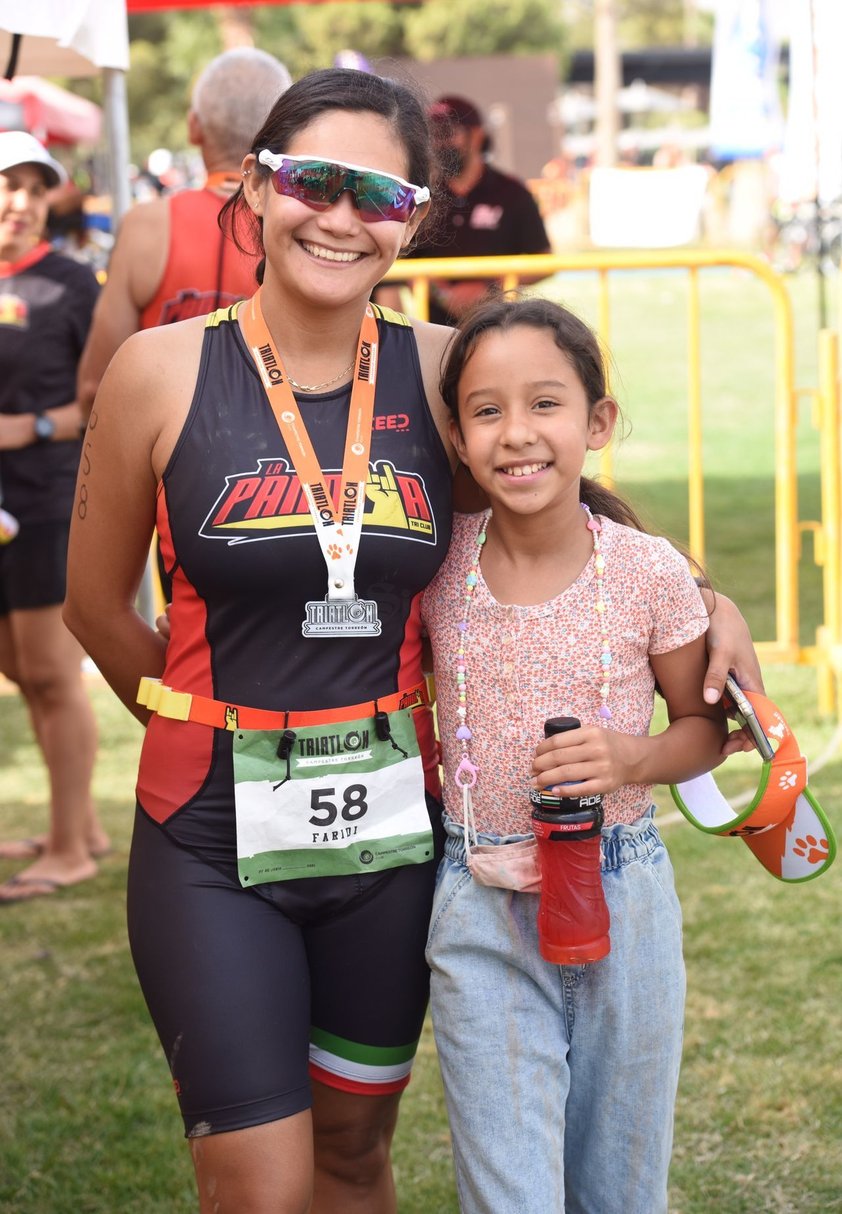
573 919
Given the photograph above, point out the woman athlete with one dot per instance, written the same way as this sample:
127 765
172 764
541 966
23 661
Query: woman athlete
292 452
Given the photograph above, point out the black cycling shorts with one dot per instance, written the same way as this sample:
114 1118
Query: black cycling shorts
33 567
254 992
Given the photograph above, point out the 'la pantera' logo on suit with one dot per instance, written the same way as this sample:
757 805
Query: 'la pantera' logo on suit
269 502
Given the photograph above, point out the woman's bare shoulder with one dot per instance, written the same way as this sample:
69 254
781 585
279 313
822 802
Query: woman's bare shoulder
433 341
162 350
149 385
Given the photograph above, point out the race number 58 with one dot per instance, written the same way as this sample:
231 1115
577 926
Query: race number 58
354 804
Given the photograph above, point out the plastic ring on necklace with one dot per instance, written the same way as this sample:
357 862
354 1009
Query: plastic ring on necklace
466 773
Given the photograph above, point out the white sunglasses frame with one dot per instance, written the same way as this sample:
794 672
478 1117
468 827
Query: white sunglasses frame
273 161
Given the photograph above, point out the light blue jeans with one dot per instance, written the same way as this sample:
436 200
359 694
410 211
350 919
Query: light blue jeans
560 1081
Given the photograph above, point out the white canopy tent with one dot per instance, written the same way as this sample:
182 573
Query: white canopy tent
76 38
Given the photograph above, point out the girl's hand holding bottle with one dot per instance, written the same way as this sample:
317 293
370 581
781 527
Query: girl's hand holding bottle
595 759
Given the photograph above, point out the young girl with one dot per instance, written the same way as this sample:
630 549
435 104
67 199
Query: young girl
560 1081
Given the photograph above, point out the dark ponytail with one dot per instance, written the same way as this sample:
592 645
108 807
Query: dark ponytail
602 500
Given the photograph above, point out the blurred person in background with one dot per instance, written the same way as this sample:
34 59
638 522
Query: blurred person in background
171 259
79 225
480 212
66 220
46 303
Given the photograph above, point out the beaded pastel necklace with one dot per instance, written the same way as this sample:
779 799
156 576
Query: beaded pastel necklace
466 772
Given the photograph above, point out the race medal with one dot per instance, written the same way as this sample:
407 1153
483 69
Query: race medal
338 523
338 800
334 618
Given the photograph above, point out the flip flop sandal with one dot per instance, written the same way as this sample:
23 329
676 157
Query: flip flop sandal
31 849
21 849
47 889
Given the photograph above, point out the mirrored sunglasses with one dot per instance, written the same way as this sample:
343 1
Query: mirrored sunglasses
319 183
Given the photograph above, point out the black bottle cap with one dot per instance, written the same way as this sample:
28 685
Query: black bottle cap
560 725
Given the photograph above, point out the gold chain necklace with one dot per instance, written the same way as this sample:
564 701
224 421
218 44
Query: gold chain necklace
327 382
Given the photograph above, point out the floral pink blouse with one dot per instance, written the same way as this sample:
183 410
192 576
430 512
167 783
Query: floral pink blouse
525 664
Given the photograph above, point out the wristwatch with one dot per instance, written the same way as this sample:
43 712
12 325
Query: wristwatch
45 428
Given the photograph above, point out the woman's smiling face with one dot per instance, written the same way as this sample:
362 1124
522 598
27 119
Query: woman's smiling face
332 255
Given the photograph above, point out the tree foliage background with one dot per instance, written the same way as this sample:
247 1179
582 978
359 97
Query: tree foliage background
169 49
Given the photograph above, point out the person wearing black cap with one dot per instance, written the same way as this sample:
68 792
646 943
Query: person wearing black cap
46 303
481 211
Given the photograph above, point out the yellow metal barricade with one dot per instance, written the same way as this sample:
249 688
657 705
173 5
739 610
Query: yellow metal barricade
785 645
828 540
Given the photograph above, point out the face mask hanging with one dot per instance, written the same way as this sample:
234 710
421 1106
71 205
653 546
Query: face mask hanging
513 866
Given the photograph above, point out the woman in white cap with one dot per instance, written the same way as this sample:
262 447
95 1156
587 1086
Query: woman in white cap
46 302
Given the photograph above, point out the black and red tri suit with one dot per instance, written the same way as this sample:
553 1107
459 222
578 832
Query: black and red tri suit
344 954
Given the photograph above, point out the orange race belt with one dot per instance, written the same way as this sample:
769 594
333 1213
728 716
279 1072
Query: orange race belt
182 706
783 825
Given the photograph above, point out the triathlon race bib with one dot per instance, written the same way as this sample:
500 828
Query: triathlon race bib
329 800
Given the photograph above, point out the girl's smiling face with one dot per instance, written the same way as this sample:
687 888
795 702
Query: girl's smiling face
525 422
334 255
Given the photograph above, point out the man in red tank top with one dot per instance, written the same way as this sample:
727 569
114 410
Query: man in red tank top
171 260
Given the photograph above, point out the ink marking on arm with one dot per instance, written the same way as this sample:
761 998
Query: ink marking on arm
82 497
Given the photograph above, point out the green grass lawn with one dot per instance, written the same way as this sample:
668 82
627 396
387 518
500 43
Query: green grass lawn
88 1121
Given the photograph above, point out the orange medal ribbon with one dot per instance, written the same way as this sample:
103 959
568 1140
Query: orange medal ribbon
338 524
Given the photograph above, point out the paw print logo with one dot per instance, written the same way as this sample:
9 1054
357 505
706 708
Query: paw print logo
788 780
815 850
335 551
